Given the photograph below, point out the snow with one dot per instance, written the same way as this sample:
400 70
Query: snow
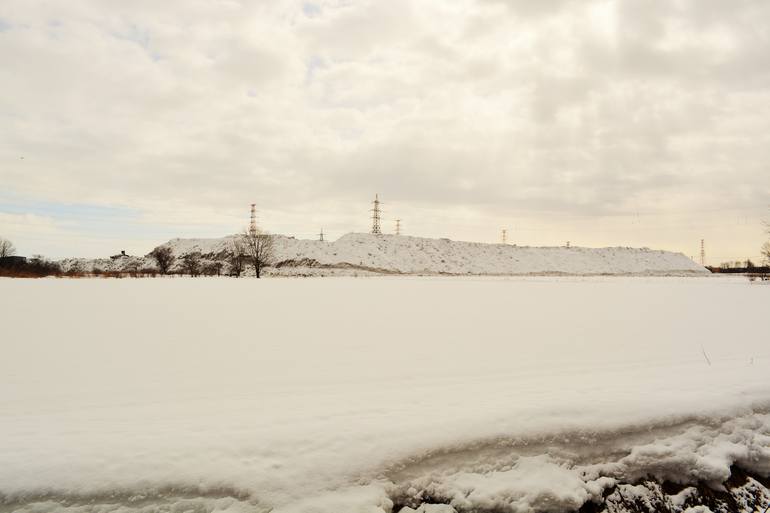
376 395
533 483
365 253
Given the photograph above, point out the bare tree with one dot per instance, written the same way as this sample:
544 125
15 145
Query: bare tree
236 256
766 246
213 268
191 263
164 257
40 266
133 268
6 248
258 246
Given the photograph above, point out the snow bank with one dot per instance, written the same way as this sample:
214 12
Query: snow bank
365 253
380 395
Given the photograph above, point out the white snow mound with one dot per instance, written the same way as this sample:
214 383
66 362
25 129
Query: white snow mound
356 253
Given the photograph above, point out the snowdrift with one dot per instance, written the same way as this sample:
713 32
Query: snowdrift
436 395
358 253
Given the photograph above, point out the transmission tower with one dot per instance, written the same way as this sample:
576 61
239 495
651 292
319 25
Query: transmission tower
503 237
702 253
321 235
398 226
376 216
253 223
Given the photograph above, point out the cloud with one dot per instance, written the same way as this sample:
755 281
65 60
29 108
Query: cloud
489 109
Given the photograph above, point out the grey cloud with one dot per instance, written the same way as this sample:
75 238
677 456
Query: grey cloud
531 9
491 107
354 31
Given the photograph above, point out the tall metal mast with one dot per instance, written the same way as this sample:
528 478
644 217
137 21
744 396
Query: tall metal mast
253 223
376 216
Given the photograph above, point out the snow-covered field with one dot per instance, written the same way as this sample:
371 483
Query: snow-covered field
378 394
363 253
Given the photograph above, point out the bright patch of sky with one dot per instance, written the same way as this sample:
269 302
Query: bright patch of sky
311 10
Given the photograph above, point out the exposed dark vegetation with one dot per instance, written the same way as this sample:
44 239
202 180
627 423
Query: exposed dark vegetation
742 492
748 268
35 267
258 248
164 258
236 257
725 269
191 263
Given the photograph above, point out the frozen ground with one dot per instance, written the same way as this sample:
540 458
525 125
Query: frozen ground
363 253
381 394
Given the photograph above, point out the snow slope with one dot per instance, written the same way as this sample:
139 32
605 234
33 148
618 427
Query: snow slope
380 395
358 252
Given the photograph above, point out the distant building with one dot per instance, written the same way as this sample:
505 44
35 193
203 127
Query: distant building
12 261
121 255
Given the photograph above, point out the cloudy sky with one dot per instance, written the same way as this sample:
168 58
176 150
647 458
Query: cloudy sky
631 123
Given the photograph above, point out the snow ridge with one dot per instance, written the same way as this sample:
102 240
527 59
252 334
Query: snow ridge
358 253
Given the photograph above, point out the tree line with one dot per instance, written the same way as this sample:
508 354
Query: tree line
253 248
747 266
33 267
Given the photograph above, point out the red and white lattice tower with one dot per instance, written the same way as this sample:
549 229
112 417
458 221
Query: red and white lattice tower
253 223
376 213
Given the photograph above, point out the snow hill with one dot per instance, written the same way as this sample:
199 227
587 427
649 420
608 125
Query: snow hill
391 254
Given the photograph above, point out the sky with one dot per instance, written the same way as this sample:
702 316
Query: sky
602 123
